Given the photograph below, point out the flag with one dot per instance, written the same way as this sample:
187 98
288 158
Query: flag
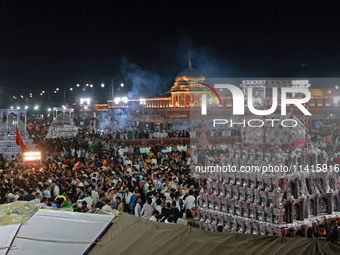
20 142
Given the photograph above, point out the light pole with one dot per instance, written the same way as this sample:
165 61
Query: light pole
112 83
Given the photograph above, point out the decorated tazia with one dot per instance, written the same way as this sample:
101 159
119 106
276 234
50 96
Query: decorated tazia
288 184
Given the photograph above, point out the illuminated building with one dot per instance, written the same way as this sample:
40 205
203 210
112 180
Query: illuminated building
185 97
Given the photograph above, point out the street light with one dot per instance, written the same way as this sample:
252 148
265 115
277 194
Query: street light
36 107
11 107
71 89
117 100
78 85
124 100
26 107
142 101
57 89
18 107
112 80
85 100
49 109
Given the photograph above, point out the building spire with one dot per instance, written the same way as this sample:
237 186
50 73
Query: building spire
189 59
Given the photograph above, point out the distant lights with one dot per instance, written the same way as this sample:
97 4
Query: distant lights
11 107
18 107
142 101
22 96
32 156
78 85
85 100
57 89
91 85
26 107
117 100
55 92
36 107
125 100
71 89
49 109
122 85
85 107
102 85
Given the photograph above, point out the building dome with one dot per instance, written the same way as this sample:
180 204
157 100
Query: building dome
189 74
188 80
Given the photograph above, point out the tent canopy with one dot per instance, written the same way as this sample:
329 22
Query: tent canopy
132 235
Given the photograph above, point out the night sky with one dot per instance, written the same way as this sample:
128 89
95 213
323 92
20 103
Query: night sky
45 44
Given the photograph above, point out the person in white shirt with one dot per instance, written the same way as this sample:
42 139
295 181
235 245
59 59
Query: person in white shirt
94 195
107 206
56 190
190 201
154 216
138 207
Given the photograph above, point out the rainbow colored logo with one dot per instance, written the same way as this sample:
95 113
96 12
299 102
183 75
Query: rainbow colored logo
210 94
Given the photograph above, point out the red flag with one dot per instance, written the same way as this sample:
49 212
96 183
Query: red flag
19 141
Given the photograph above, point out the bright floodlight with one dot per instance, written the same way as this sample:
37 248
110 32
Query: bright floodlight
336 100
49 109
85 100
78 85
85 107
22 96
26 107
32 156
103 85
142 101
71 89
117 100
36 107
87 85
11 107
18 107
91 85
124 100
57 89
64 107
122 84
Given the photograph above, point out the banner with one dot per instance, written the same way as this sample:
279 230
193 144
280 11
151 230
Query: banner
19 141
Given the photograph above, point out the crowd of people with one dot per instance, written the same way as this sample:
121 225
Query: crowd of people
94 170
152 182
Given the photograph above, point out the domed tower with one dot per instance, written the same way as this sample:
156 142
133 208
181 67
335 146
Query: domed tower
186 91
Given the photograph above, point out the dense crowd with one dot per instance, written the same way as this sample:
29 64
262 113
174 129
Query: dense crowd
93 170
